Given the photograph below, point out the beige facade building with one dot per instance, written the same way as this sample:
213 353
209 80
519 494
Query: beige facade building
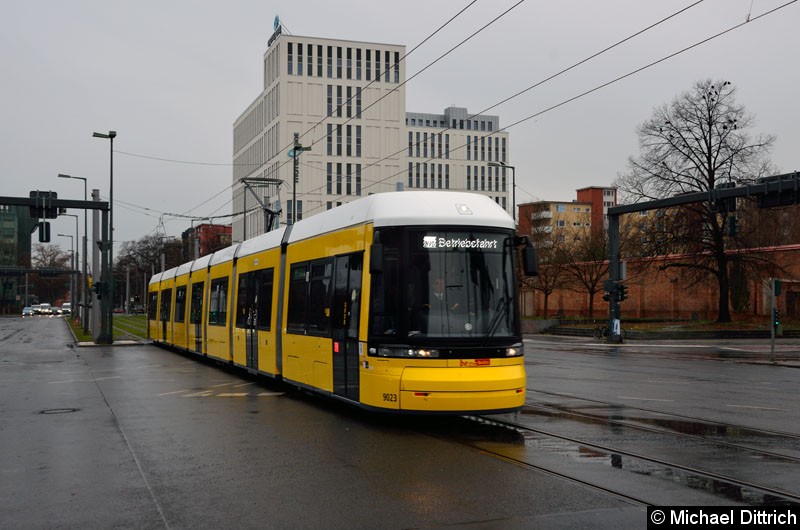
347 102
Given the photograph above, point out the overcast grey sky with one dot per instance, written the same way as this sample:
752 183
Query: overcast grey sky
172 76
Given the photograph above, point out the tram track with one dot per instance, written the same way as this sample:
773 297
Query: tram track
643 464
676 424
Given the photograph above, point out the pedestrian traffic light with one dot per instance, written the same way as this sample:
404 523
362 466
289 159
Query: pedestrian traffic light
606 296
776 317
623 291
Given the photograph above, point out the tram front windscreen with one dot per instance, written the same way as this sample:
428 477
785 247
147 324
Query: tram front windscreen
444 286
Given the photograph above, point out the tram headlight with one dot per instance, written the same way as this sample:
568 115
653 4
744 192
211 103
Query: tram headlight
395 351
517 350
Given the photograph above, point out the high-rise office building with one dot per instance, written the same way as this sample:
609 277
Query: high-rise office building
346 101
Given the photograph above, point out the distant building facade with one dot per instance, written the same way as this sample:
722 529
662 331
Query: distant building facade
204 239
16 225
560 221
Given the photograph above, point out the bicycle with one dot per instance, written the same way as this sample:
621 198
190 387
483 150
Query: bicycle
601 332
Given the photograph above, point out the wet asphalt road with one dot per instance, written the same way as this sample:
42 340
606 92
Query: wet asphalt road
139 437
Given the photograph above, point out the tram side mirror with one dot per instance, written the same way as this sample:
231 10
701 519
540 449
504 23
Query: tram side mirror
529 267
529 261
376 258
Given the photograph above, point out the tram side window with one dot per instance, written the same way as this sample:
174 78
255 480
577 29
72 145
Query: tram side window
218 307
309 308
180 304
298 294
196 309
244 301
152 304
166 302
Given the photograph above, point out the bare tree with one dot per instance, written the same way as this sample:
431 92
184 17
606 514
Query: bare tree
587 264
51 288
553 258
697 143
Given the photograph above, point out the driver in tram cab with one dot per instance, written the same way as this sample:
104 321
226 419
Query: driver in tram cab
440 308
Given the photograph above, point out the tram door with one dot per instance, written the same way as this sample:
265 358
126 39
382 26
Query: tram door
346 306
251 329
166 304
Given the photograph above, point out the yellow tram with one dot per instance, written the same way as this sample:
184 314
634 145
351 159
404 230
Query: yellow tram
397 301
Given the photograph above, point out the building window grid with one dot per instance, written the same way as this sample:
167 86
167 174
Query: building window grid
289 61
319 60
358 64
330 62
358 141
299 58
349 64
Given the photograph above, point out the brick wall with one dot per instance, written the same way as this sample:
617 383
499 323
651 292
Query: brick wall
670 294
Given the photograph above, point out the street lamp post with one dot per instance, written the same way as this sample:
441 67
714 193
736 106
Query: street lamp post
513 186
77 255
84 290
110 280
72 266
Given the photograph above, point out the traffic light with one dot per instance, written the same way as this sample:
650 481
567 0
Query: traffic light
732 228
44 232
776 317
606 296
623 291
97 287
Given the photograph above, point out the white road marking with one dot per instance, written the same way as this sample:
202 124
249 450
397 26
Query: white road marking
645 399
756 408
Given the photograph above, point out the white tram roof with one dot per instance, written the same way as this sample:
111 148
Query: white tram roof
264 241
407 208
402 208
223 255
200 263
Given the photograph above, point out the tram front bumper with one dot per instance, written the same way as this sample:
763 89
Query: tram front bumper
472 389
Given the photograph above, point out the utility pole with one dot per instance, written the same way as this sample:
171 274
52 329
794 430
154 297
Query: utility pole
294 152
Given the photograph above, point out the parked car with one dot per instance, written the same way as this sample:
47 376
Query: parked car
27 312
66 308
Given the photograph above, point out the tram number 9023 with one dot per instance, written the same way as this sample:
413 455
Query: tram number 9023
390 397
